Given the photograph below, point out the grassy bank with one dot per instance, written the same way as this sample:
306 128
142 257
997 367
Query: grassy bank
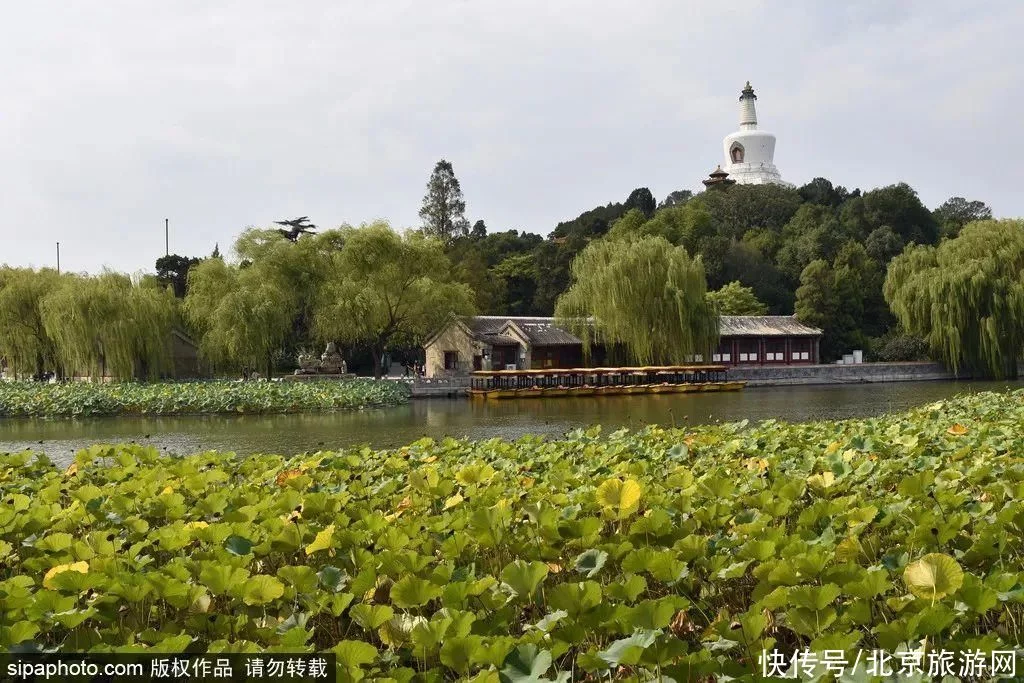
684 553
84 399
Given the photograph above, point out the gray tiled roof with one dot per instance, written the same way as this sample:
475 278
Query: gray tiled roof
764 326
543 332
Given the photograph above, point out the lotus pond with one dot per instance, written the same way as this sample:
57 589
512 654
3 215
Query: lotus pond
83 399
630 555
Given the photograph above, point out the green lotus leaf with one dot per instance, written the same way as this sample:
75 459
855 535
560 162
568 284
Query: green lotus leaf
55 543
525 664
370 617
220 579
523 577
628 590
627 651
575 598
302 578
261 589
410 591
238 545
933 577
810 622
813 597
976 595
460 654
18 633
590 562
332 578
353 654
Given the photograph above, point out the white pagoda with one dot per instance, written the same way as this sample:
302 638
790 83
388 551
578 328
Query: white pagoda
749 152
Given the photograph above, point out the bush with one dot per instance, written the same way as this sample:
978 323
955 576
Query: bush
81 399
681 553
899 347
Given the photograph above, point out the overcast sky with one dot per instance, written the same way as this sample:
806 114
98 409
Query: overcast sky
220 115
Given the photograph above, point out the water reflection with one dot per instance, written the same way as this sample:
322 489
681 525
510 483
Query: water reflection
475 419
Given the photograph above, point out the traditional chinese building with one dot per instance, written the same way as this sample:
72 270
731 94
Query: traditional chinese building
517 343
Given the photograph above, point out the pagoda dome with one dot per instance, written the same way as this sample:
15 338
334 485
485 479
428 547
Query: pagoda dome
749 152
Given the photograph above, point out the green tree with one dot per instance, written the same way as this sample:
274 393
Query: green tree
518 275
443 206
812 233
821 191
243 316
642 200
744 207
883 244
385 289
676 198
172 271
817 304
110 324
965 297
23 338
644 295
735 299
745 263
956 212
899 207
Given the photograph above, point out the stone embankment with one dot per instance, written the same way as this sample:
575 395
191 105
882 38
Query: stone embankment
861 373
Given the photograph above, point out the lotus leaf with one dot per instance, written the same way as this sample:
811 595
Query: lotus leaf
722 555
934 576
261 589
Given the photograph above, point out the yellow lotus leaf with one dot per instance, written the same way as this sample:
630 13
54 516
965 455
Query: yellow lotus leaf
934 576
618 495
72 470
322 540
309 464
197 525
430 458
80 567
283 477
453 501
405 504
554 567
832 448
957 430
527 482
823 480
167 491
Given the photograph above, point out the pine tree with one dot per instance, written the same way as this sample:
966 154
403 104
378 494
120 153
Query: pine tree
443 205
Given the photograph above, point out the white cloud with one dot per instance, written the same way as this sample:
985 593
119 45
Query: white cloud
222 114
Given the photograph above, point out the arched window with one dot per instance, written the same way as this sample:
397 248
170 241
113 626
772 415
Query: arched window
736 153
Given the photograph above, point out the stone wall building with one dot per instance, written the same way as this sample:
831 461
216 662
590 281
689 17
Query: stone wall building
533 343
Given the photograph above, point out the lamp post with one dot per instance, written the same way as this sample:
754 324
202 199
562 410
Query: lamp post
167 237
58 258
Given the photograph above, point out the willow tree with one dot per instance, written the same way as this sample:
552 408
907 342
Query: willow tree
23 340
385 289
965 297
242 315
646 296
110 324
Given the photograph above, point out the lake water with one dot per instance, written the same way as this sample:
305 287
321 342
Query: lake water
388 427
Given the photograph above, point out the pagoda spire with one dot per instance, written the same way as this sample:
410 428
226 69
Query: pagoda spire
748 116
